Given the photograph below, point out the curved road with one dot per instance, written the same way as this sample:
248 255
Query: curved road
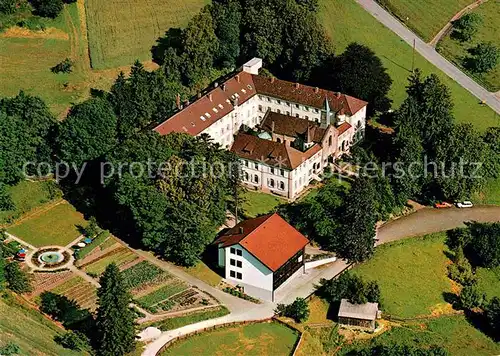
424 221
430 53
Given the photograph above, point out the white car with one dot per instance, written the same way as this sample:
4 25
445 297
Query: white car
464 204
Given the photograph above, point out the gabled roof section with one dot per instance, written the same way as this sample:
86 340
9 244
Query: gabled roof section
268 238
343 128
272 153
210 107
306 95
292 126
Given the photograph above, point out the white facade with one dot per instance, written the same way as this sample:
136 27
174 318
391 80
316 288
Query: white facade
243 269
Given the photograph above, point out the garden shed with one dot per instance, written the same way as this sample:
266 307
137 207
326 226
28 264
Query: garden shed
360 316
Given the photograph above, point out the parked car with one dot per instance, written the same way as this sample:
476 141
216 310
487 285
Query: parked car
442 205
464 204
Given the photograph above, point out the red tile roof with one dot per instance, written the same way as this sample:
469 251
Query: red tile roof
343 127
306 95
268 238
270 152
245 85
193 119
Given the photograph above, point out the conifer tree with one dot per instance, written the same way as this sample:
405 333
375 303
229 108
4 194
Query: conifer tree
115 320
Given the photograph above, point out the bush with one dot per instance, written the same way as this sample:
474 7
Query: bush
48 8
461 270
351 287
10 349
492 311
470 297
8 7
73 340
466 27
484 57
33 23
298 310
17 280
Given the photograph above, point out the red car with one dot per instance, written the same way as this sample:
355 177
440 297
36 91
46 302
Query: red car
443 205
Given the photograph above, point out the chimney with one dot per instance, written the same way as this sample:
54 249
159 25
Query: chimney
224 87
241 229
297 85
273 79
238 78
316 90
199 94
308 138
178 101
210 96
272 127
216 85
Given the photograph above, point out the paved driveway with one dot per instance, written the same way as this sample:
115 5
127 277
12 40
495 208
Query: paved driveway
429 53
429 220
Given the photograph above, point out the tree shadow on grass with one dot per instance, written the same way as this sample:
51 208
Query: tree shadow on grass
171 39
480 322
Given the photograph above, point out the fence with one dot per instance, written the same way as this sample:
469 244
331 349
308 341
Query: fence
227 325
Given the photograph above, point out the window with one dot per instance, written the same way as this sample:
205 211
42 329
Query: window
307 108
239 275
239 264
288 112
245 176
282 185
232 274
307 117
296 115
271 183
272 169
297 106
282 172
260 108
316 111
232 250
256 179
278 140
278 111
256 165
246 163
238 252
232 262
269 99
330 141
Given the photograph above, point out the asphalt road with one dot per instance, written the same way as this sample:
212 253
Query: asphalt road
429 220
430 54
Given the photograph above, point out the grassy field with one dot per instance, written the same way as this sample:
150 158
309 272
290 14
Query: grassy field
29 329
426 17
489 31
453 333
347 22
489 281
26 196
27 57
411 274
257 203
254 339
121 32
204 273
490 194
57 226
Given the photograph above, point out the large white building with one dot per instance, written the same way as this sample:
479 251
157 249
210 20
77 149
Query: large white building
301 127
259 255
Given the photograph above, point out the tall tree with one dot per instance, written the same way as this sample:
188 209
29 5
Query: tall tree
226 15
360 73
356 237
17 280
88 132
115 319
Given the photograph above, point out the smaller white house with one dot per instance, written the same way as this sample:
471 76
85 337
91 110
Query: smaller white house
260 255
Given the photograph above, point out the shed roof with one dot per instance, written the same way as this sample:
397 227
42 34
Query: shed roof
367 311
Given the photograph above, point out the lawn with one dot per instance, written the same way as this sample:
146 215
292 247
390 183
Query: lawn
346 22
489 31
490 193
253 339
204 273
412 275
121 32
425 17
257 203
27 196
453 333
29 329
191 318
57 226
489 281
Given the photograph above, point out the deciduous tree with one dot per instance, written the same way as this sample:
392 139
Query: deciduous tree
17 280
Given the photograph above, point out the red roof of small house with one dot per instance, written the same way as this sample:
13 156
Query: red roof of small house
343 127
268 238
